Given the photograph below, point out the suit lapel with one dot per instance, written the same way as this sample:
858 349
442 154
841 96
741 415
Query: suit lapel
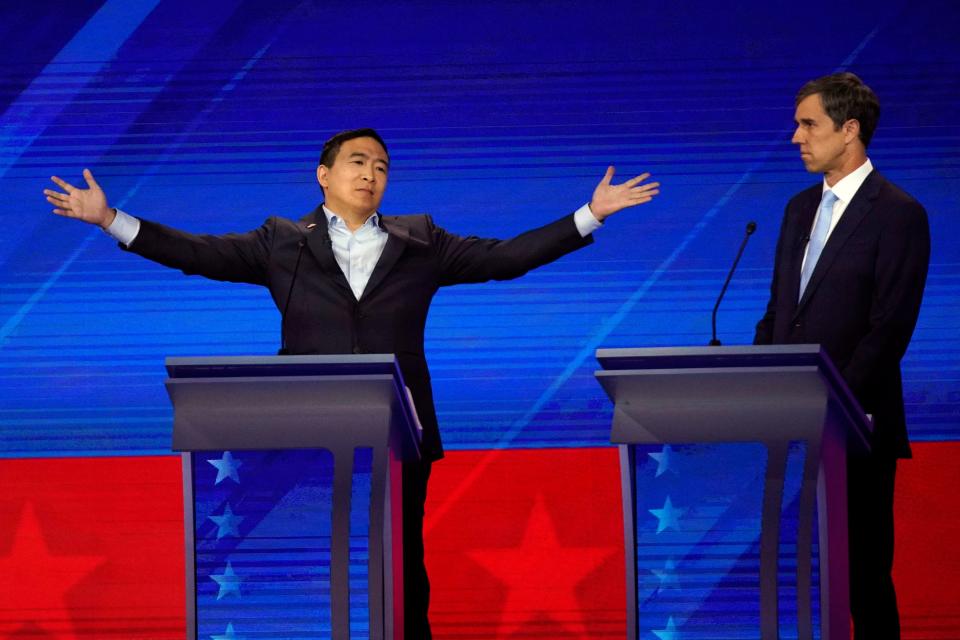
808 209
318 241
398 236
853 215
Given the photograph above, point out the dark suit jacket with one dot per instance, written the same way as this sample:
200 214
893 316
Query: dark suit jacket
324 316
863 298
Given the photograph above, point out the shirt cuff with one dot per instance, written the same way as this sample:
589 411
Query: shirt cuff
124 228
585 221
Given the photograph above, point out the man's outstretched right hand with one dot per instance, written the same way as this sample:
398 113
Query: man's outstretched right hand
89 205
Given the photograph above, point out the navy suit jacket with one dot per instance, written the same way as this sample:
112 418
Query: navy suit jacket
324 316
863 298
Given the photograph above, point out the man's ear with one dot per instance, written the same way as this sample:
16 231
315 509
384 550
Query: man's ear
322 176
851 131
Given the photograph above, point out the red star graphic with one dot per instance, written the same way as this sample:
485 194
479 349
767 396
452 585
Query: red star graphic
34 583
540 575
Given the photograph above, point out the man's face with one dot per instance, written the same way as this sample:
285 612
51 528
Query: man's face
354 185
823 147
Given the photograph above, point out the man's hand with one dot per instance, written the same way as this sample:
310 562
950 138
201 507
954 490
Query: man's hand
89 205
608 198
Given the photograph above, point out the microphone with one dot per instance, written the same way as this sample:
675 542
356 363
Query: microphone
283 351
751 227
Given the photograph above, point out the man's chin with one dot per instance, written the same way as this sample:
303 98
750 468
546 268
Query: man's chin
367 200
367 206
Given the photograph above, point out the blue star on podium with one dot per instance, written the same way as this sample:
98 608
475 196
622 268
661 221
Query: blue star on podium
226 468
667 575
663 460
228 580
226 635
668 517
670 633
227 524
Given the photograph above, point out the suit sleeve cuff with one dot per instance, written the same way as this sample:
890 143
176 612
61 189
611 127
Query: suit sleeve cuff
124 228
585 221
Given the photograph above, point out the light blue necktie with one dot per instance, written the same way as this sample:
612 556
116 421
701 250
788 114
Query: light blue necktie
818 238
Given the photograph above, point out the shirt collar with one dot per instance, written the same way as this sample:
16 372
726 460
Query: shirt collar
848 186
334 220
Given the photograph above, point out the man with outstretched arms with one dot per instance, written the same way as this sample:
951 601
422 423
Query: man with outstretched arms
349 279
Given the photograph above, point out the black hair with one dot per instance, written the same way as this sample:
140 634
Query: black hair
331 148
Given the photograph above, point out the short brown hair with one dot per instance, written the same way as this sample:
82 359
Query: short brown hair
844 97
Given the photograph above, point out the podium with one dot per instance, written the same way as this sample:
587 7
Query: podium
789 398
292 494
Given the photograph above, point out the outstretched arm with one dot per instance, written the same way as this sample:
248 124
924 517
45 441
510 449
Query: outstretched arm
610 198
89 205
478 260
236 257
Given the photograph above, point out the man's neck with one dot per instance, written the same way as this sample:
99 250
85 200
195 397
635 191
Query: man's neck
850 164
353 220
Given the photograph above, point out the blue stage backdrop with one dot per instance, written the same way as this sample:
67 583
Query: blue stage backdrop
500 116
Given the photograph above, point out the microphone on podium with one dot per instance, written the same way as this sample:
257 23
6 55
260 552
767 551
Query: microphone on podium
751 227
284 351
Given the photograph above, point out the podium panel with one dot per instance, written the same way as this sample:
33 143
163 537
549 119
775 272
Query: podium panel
292 472
263 524
697 538
733 470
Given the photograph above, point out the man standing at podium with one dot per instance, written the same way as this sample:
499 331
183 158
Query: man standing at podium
851 263
348 279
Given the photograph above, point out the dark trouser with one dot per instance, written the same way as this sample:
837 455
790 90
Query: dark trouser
873 601
416 586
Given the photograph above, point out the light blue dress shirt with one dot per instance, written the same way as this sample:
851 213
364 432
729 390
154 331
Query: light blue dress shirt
357 252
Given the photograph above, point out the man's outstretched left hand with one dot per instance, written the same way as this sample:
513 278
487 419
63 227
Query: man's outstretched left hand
610 198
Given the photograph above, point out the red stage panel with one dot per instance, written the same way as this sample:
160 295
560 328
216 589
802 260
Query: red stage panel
927 562
91 548
526 543
523 543
494 515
